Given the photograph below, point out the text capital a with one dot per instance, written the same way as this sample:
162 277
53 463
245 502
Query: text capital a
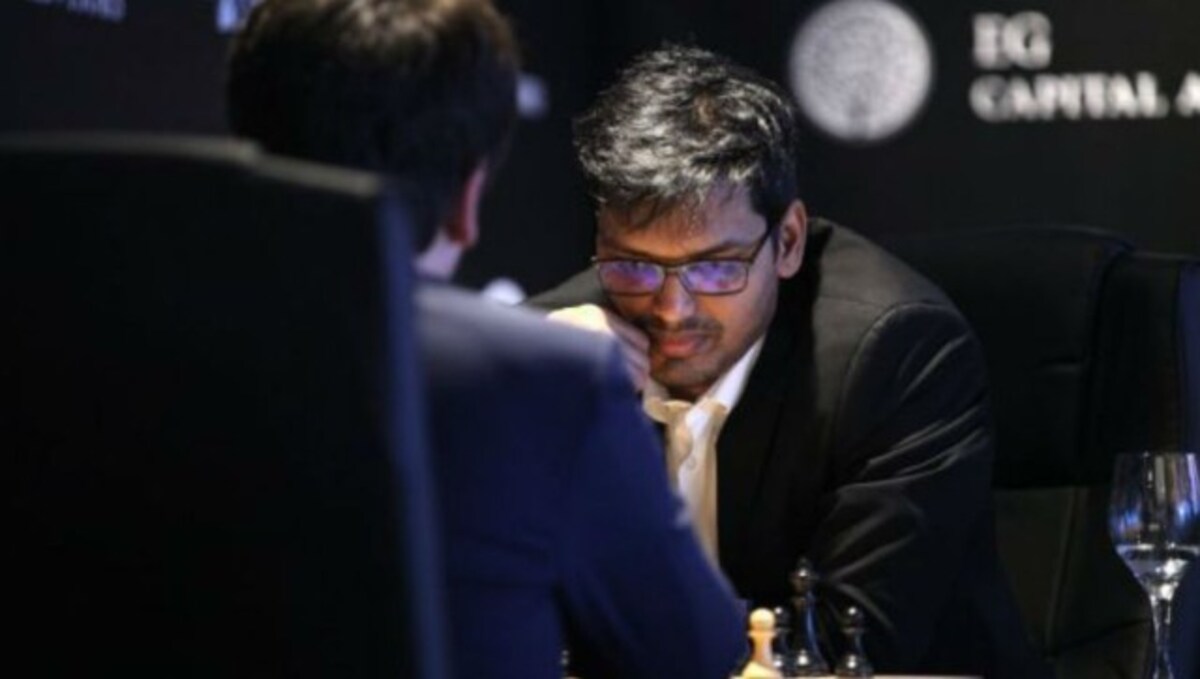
1187 102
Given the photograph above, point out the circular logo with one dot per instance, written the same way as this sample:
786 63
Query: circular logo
861 69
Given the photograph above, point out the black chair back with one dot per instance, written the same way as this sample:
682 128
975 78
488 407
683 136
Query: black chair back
1093 349
212 417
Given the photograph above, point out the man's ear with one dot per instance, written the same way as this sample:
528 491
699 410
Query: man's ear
459 232
793 234
462 227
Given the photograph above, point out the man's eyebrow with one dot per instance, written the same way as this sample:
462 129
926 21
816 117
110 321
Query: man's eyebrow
723 249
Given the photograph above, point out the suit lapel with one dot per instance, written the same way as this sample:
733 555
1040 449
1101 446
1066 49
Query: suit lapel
748 435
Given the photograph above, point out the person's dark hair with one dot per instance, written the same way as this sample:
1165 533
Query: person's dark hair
420 89
680 121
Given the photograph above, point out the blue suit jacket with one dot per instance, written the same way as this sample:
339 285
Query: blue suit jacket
560 527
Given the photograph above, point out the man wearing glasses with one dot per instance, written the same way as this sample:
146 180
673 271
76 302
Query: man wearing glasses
818 399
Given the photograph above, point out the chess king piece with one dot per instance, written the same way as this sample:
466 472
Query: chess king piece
762 632
806 659
854 662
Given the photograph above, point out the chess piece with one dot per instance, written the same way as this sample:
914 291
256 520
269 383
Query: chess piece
806 659
780 646
854 662
762 632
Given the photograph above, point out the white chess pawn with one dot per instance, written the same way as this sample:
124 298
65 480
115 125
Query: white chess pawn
762 632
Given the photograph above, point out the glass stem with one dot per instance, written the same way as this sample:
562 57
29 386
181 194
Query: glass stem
1160 604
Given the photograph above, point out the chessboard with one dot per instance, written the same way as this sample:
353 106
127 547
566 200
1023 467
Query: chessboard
765 664
785 644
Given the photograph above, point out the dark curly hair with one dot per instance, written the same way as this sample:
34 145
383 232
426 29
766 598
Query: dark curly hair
420 89
681 120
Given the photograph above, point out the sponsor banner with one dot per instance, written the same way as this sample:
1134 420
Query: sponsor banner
991 112
918 114
1020 84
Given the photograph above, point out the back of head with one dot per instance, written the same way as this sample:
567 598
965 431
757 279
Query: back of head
420 89
681 120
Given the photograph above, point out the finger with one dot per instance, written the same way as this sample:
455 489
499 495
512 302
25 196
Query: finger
597 319
627 332
636 357
639 380
637 375
637 365
636 350
585 316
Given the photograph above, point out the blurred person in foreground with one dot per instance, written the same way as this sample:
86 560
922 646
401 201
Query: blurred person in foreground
560 528
819 399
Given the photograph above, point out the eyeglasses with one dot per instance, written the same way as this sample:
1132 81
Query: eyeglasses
725 276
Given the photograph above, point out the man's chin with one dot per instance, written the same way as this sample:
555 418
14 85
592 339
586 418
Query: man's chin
681 380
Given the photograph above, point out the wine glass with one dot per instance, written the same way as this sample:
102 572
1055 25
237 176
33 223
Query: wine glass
1154 522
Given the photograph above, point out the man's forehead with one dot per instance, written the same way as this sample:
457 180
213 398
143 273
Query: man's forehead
677 218
722 212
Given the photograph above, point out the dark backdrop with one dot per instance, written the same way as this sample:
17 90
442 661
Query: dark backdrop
1128 165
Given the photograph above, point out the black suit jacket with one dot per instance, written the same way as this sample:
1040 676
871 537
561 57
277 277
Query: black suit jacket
559 524
863 441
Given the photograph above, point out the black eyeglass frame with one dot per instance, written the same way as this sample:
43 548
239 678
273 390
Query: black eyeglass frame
677 269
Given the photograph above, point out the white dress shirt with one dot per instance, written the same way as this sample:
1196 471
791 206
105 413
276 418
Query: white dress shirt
692 430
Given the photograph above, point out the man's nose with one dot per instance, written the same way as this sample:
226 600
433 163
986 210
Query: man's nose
673 303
